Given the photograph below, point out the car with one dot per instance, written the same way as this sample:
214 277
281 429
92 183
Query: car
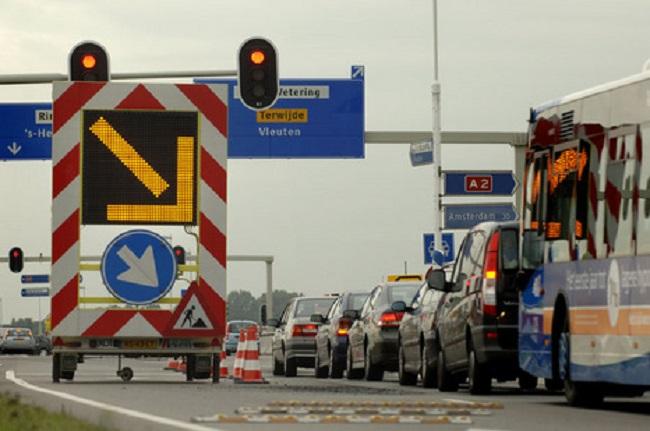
43 344
477 329
332 337
372 346
293 343
417 344
17 340
232 334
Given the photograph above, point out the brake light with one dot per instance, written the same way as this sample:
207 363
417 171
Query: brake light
390 318
308 330
343 327
491 276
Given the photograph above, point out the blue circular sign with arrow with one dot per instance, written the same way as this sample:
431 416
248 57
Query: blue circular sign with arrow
138 267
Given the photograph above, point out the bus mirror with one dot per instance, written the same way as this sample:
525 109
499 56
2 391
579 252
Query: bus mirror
532 250
436 279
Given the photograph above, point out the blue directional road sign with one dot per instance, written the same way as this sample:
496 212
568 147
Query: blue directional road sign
138 267
482 183
421 154
465 216
31 292
312 118
36 278
25 131
447 245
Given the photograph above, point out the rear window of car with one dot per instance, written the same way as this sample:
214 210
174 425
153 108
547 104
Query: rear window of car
19 333
356 300
509 249
307 307
402 292
238 326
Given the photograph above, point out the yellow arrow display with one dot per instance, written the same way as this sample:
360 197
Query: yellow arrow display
126 154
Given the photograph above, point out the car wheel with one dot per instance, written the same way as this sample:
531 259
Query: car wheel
527 382
552 385
190 368
480 381
290 366
335 368
352 373
67 375
428 373
405 378
446 381
320 372
372 372
278 366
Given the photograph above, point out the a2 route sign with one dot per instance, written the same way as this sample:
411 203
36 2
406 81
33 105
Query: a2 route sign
480 183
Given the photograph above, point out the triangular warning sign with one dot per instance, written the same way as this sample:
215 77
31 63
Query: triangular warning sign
193 316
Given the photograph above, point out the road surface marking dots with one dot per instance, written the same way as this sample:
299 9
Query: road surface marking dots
448 404
10 375
362 411
333 419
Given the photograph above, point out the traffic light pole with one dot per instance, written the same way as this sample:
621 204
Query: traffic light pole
48 78
436 144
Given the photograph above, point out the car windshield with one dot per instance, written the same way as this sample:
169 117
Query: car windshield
403 292
307 307
238 326
356 300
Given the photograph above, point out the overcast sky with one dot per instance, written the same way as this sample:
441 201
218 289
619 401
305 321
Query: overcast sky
331 224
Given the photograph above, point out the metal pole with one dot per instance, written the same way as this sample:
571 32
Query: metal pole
436 141
269 288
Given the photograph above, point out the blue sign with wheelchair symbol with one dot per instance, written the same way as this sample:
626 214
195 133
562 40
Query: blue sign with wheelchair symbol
139 267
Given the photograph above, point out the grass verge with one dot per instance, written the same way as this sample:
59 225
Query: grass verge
18 416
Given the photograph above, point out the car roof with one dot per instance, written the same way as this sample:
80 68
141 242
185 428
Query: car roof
300 298
491 226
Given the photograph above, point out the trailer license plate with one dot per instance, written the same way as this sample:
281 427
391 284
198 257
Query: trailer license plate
140 344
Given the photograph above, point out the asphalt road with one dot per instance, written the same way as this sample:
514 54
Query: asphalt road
155 393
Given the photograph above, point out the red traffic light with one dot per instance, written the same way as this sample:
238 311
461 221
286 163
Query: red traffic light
88 61
179 252
16 261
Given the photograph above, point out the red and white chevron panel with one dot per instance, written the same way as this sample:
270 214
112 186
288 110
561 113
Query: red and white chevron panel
70 100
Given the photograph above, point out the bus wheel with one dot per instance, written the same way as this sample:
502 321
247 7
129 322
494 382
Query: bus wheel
578 394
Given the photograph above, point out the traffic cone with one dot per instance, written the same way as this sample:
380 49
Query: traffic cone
252 370
239 355
223 369
182 366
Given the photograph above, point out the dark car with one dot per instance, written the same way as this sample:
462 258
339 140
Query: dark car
43 344
294 342
372 347
332 337
417 344
477 328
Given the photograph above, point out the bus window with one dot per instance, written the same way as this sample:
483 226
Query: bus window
536 192
643 216
619 220
560 218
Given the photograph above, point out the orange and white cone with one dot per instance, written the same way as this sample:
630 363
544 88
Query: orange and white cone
252 370
172 364
223 368
239 355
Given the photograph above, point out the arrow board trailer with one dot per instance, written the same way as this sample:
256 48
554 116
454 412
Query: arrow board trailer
137 159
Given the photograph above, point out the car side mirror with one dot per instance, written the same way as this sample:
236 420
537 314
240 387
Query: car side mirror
274 323
317 318
436 279
398 306
351 314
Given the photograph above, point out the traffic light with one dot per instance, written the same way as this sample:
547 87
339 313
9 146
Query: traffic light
16 259
89 62
258 74
179 253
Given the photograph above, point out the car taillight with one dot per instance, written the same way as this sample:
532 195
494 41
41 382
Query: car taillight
390 318
308 330
343 327
491 276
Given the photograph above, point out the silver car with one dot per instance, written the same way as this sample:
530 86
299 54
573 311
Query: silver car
294 340
17 340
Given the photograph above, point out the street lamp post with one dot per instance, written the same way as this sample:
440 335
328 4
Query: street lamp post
436 144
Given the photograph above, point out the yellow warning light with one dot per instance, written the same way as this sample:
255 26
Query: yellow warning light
257 57
88 61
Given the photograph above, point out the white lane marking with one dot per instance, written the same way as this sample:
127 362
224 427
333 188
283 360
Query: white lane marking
452 400
108 407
